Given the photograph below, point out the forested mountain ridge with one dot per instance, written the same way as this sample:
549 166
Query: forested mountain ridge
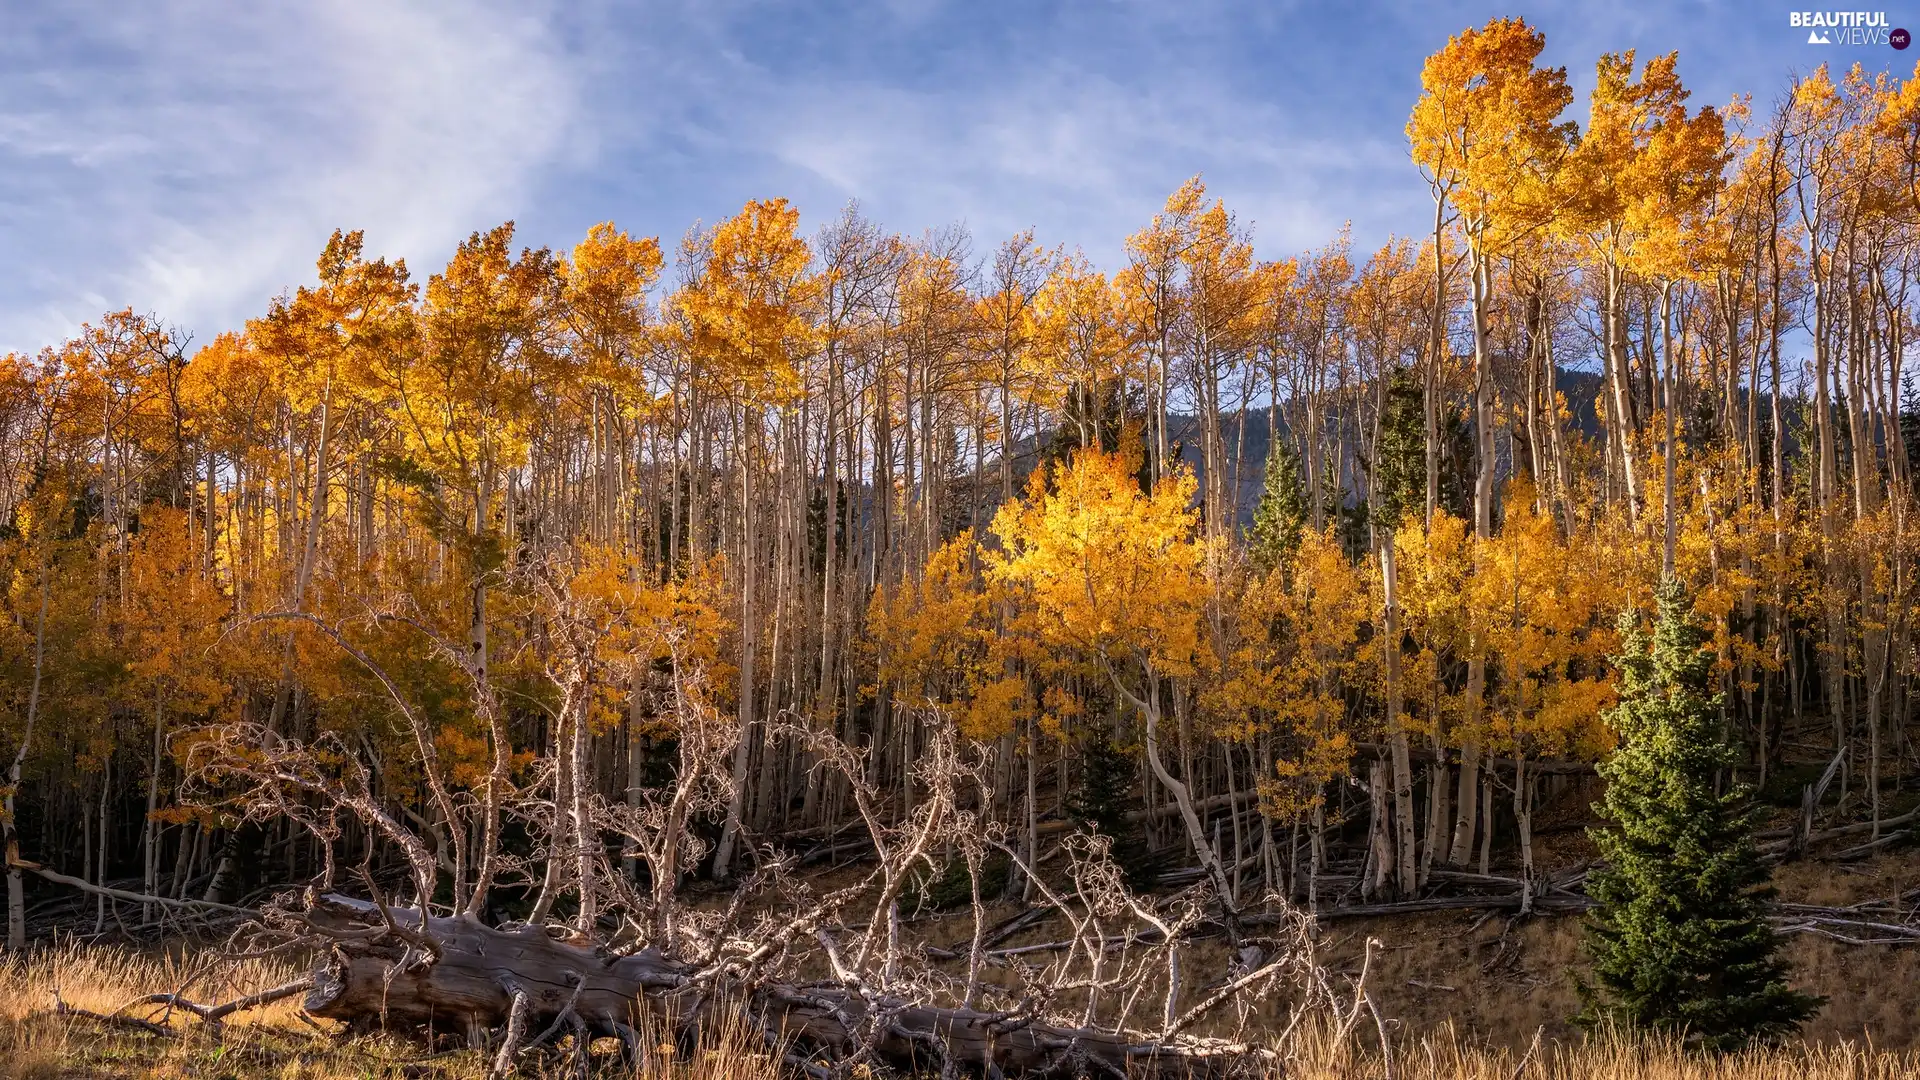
1246 455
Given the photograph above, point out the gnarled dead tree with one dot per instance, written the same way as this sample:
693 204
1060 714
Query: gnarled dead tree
832 978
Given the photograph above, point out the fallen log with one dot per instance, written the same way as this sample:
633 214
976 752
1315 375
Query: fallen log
121 894
522 978
62 1009
1542 903
1848 931
1811 837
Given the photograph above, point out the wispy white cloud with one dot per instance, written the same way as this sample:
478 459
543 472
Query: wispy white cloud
1079 155
1078 124
190 158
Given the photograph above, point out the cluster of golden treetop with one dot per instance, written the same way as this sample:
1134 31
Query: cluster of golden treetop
813 450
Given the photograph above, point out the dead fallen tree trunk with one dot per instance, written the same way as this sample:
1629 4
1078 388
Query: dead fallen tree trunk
482 976
670 969
1791 842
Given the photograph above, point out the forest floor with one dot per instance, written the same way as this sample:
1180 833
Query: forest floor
1493 979
55 1007
36 1043
1502 980
1496 981
1470 994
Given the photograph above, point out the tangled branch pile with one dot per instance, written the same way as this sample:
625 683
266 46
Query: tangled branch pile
610 947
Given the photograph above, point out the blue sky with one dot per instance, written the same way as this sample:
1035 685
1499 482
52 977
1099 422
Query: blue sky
189 157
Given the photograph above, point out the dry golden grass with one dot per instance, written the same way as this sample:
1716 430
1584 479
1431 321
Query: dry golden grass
36 1043
275 1042
1440 1055
1502 983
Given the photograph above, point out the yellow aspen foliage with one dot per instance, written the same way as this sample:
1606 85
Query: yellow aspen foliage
605 309
1077 338
48 591
1483 129
604 291
1107 569
171 621
326 340
635 623
230 392
928 627
1726 552
1645 166
1301 644
1643 170
1729 550
465 393
1433 565
944 638
748 311
1548 623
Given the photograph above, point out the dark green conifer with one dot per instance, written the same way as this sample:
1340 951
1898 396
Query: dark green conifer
1100 802
1680 941
1281 513
1398 472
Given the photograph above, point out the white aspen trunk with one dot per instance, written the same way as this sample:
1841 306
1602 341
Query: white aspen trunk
1149 708
1672 447
100 851
1483 529
636 761
316 513
1402 765
1486 830
1438 783
16 893
1436 346
1380 850
1032 830
1523 816
1623 425
149 834
749 641
586 840
551 874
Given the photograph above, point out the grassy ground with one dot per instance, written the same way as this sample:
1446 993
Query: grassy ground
1472 997
1504 983
276 1041
37 1042
1487 979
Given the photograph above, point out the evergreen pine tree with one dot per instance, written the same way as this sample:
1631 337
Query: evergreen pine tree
1399 470
1281 512
1099 803
1116 419
1680 941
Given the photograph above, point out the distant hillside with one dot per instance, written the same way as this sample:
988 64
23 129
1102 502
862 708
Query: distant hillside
1247 457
